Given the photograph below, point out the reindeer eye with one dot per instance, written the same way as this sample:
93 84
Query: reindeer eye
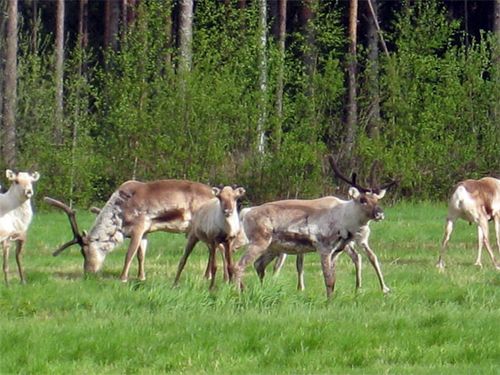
363 200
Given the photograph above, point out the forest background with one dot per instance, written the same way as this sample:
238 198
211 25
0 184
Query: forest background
256 93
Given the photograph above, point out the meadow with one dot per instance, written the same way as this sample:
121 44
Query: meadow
61 322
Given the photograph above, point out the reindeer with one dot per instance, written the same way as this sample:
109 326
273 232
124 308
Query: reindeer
15 217
215 223
325 225
360 239
133 211
476 201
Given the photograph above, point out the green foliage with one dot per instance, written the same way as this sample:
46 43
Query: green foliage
439 124
130 114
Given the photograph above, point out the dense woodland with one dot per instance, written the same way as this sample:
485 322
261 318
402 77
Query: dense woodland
252 92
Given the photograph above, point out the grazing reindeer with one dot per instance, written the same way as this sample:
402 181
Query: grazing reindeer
215 223
134 210
15 216
324 225
476 201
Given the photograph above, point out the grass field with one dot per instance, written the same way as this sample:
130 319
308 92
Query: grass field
431 323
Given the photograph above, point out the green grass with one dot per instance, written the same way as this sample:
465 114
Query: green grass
446 323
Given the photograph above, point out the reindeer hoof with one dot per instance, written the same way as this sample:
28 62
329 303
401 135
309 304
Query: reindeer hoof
123 279
478 264
386 290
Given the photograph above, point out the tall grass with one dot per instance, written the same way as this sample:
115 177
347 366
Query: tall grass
61 322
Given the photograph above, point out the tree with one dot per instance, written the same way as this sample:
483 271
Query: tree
372 69
352 104
10 88
186 35
281 30
261 131
59 72
111 22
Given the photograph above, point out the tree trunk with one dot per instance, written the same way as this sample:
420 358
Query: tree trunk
185 35
372 75
281 71
10 81
309 58
59 72
83 16
3 10
352 104
261 131
111 22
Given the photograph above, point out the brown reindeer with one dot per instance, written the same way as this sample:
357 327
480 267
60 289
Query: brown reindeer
324 225
133 211
476 201
216 223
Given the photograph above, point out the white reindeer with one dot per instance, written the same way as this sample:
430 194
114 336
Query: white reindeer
476 201
134 210
215 223
15 217
324 225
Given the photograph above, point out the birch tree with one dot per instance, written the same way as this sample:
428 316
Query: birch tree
10 87
59 72
352 104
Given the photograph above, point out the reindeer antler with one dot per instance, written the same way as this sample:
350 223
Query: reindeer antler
77 237
339 174
373 188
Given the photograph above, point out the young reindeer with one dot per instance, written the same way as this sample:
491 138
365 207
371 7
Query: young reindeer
215 223
15 217
324 225
476 201
134 210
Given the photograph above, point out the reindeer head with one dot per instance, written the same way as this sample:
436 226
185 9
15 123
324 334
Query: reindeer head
92 258
23 182
366 199
228 197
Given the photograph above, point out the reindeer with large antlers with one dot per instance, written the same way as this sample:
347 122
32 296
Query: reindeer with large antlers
325 225
360 239
133 211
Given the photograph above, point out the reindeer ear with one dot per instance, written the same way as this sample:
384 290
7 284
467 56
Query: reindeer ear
216 191
10 175
353 192
381 194
240 192
35 176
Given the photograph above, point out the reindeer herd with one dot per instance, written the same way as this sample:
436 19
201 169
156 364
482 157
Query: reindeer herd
271 231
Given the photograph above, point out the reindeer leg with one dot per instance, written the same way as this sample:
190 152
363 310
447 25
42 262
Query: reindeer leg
253 251
191 242
262 262
141 255
212 248
480 242
6 246
227 258
326 265
135 240
356 259
278 265
299 264
447 233
374 261
19 258
497 230
484 227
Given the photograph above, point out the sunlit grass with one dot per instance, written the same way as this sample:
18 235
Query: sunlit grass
431 323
